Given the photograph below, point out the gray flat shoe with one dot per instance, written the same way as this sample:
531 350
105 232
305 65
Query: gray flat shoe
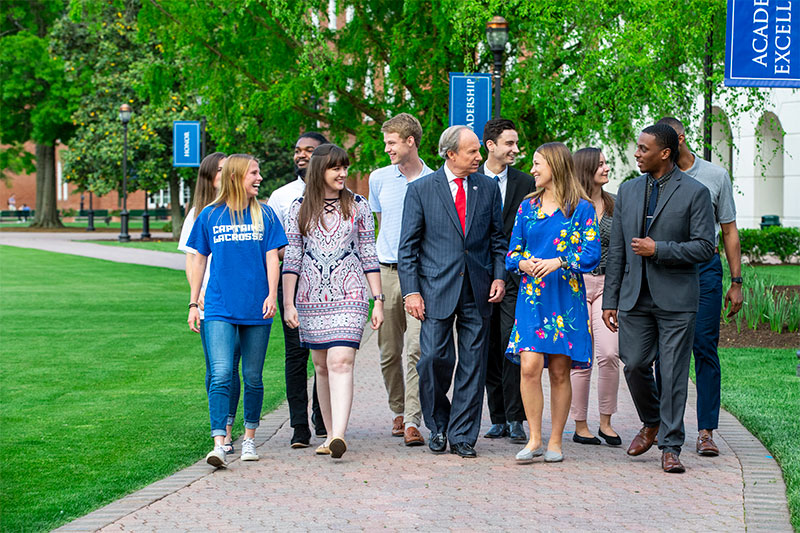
553 457
526 455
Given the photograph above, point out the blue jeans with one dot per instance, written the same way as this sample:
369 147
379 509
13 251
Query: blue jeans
220 342
706 339
236 387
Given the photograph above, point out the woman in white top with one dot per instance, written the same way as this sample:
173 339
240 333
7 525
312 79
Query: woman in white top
208 180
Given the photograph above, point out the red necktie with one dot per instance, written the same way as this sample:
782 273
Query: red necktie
461 204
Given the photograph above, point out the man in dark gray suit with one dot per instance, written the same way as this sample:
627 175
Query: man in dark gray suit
663 227
451 265
502 376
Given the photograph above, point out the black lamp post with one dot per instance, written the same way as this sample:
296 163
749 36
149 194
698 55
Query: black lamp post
145 219
90 218
124 117
497 37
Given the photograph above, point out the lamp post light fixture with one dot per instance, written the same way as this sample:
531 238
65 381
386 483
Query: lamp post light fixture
124 117
497 37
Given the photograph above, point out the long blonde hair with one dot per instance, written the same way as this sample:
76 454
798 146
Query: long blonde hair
566 189
232 193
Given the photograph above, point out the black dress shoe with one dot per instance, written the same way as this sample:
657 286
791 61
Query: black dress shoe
517 433
611 441
585 440
462 449
497 431
438 443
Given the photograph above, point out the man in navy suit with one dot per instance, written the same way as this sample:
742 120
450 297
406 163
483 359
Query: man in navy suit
451 265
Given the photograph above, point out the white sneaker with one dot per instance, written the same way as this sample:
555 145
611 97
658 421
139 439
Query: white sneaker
216 457
249 450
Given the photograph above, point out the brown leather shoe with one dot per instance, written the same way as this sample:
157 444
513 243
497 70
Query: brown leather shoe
643 440
705 444
397 426
413 437
671 463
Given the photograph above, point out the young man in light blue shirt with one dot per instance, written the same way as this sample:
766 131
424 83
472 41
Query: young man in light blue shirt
387 191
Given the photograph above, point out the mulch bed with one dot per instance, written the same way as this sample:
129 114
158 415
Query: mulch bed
760 338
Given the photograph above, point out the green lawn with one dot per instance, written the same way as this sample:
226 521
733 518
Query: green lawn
101 384
780 274
760 387
159 246
133 224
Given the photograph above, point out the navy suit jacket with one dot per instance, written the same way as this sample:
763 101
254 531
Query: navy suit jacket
435 254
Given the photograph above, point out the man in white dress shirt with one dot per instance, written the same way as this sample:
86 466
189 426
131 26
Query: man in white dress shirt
387 192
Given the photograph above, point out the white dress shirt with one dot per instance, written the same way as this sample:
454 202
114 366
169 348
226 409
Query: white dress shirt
502 180
281 200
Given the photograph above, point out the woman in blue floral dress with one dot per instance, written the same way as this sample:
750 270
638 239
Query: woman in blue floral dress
553 242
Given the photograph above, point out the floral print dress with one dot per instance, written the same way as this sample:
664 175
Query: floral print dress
551 313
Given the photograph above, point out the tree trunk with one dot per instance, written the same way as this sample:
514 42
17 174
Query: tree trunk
46 199
175 205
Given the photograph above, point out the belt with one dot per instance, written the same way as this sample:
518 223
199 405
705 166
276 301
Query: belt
599 271
392 266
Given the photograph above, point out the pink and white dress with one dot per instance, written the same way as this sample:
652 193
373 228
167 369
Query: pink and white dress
332 298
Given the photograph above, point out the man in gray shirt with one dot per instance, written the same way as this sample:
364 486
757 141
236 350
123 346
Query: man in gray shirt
706 337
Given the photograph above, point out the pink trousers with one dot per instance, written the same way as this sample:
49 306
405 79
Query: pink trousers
606 358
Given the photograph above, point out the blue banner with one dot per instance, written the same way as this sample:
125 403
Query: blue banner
470 101
185 144
762 47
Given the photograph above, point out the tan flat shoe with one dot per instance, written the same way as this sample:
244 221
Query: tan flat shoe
337 447
323 450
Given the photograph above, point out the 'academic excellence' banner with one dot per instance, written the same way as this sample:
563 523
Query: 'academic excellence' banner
471 101
762 46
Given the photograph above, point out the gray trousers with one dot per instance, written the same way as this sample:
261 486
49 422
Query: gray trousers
644 332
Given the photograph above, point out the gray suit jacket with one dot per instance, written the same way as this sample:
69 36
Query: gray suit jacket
683 228
434 252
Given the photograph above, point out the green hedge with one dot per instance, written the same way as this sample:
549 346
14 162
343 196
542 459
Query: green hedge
756 243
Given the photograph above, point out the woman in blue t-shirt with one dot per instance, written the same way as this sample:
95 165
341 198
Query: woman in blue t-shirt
244 236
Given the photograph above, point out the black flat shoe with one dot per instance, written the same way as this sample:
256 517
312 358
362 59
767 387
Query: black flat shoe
462 449
585 440
611 441
438 443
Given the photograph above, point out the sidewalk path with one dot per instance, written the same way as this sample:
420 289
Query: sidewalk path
380 484
68 243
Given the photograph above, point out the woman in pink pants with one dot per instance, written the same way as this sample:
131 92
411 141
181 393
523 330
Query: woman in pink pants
592 170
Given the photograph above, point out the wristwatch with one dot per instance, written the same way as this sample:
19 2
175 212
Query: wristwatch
564 263
738 280
380 297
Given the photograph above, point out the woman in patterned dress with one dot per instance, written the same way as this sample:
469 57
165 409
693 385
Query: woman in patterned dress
331 236
553 242
592 173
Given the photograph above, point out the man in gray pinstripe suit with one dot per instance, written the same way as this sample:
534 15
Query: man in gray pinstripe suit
451 265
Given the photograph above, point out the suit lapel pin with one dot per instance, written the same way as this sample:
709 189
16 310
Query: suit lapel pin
474 187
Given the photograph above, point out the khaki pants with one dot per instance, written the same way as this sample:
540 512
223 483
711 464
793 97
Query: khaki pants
403 393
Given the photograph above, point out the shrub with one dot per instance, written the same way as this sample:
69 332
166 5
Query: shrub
167 227
69 212
756 243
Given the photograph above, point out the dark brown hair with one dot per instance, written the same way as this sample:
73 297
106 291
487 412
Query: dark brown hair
587 161
204 192
325 156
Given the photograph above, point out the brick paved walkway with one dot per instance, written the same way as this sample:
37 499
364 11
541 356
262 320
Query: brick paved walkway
380 484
